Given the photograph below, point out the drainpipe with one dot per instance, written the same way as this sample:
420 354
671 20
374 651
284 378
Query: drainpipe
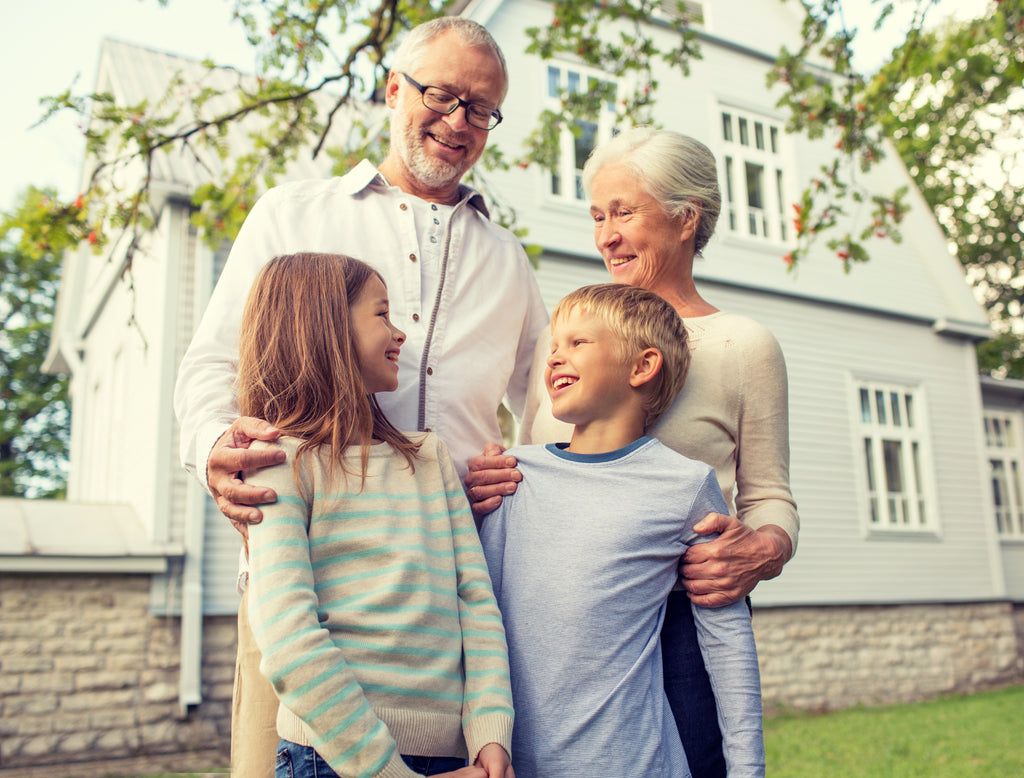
180 258
190 685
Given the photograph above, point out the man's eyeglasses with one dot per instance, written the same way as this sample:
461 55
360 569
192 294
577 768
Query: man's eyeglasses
440 101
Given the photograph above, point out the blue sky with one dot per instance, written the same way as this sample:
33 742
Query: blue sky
50 44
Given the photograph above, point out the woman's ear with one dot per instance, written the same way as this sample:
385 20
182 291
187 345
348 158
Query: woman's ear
690 221
646 366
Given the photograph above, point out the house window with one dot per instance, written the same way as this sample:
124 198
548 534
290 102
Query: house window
575 147
1003 443
754 176
896 454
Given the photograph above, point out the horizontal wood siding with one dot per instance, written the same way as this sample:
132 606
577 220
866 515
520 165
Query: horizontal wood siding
827 348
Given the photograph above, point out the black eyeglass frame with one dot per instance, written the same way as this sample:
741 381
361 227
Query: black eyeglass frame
494 113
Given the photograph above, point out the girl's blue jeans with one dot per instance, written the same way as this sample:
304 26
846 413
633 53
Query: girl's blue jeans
295 761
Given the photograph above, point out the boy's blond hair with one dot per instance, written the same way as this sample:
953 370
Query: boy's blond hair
641 320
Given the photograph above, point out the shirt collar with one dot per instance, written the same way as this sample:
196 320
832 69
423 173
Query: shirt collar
365 175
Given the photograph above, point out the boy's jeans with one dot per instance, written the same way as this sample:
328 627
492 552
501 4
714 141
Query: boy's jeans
295 761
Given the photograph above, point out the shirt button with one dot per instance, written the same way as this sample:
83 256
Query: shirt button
433 206
430 371
412 257
433 239
403 206
415 317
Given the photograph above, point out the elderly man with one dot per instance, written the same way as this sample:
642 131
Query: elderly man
460 287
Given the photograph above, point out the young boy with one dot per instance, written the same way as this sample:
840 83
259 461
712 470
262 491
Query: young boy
585 552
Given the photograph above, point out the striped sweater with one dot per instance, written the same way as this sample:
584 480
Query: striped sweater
374 612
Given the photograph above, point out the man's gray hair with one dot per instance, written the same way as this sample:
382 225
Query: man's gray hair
676 170
411 52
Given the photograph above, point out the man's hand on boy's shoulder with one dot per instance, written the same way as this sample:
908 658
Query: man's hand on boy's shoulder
491 476
229 458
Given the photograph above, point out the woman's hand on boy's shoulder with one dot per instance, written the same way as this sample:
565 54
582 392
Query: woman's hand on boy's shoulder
491 476
496 761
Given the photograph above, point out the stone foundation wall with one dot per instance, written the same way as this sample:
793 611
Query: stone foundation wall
829 658
86 673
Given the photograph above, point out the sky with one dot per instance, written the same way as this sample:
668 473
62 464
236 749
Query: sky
51 44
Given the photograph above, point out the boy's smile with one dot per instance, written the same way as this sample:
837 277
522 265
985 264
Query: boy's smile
587 375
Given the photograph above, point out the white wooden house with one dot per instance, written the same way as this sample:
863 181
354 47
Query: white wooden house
909 579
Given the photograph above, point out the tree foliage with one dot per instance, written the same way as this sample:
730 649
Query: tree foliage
317 57
34 408
957 120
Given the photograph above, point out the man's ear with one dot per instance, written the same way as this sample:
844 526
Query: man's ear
391 89
646 366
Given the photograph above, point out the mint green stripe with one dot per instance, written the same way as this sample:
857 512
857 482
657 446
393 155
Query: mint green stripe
343 537
435 653
404 589
377 572
409 629
372 552
354 496
402 691
491 709
417 672
488 654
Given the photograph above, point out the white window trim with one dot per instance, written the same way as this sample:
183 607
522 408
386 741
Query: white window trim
567 171
732 160
925 471
1010 455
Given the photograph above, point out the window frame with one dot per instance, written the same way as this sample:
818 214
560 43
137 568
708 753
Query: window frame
998 425
748 140
912 508
568 177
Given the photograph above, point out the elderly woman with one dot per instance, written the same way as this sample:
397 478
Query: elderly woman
655 200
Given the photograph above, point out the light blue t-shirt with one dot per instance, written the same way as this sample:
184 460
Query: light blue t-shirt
583 557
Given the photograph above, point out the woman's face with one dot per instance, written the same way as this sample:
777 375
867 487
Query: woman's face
641 245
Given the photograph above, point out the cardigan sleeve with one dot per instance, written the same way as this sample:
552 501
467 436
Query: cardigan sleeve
308 672
763 494
487 699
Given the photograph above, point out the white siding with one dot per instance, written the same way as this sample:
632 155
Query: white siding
917 277
838 560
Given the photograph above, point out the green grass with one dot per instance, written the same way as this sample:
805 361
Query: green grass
980 736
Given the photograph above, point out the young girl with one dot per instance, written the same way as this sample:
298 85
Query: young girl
369 598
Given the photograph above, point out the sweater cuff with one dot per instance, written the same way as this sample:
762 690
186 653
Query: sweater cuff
492 728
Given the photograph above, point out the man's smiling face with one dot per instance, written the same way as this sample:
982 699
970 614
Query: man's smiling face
436 150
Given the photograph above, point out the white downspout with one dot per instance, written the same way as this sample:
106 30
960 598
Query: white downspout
183 255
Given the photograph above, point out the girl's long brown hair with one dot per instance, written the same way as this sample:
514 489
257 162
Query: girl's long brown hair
297 365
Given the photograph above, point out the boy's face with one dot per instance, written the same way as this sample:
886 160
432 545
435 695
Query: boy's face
586 376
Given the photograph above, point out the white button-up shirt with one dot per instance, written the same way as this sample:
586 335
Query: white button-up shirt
468 303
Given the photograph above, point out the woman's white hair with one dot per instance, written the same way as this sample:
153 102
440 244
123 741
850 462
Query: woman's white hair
676 170
411 52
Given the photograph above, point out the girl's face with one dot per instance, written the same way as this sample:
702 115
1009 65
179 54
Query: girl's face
376 339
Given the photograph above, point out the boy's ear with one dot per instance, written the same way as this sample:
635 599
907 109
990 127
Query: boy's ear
646 366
